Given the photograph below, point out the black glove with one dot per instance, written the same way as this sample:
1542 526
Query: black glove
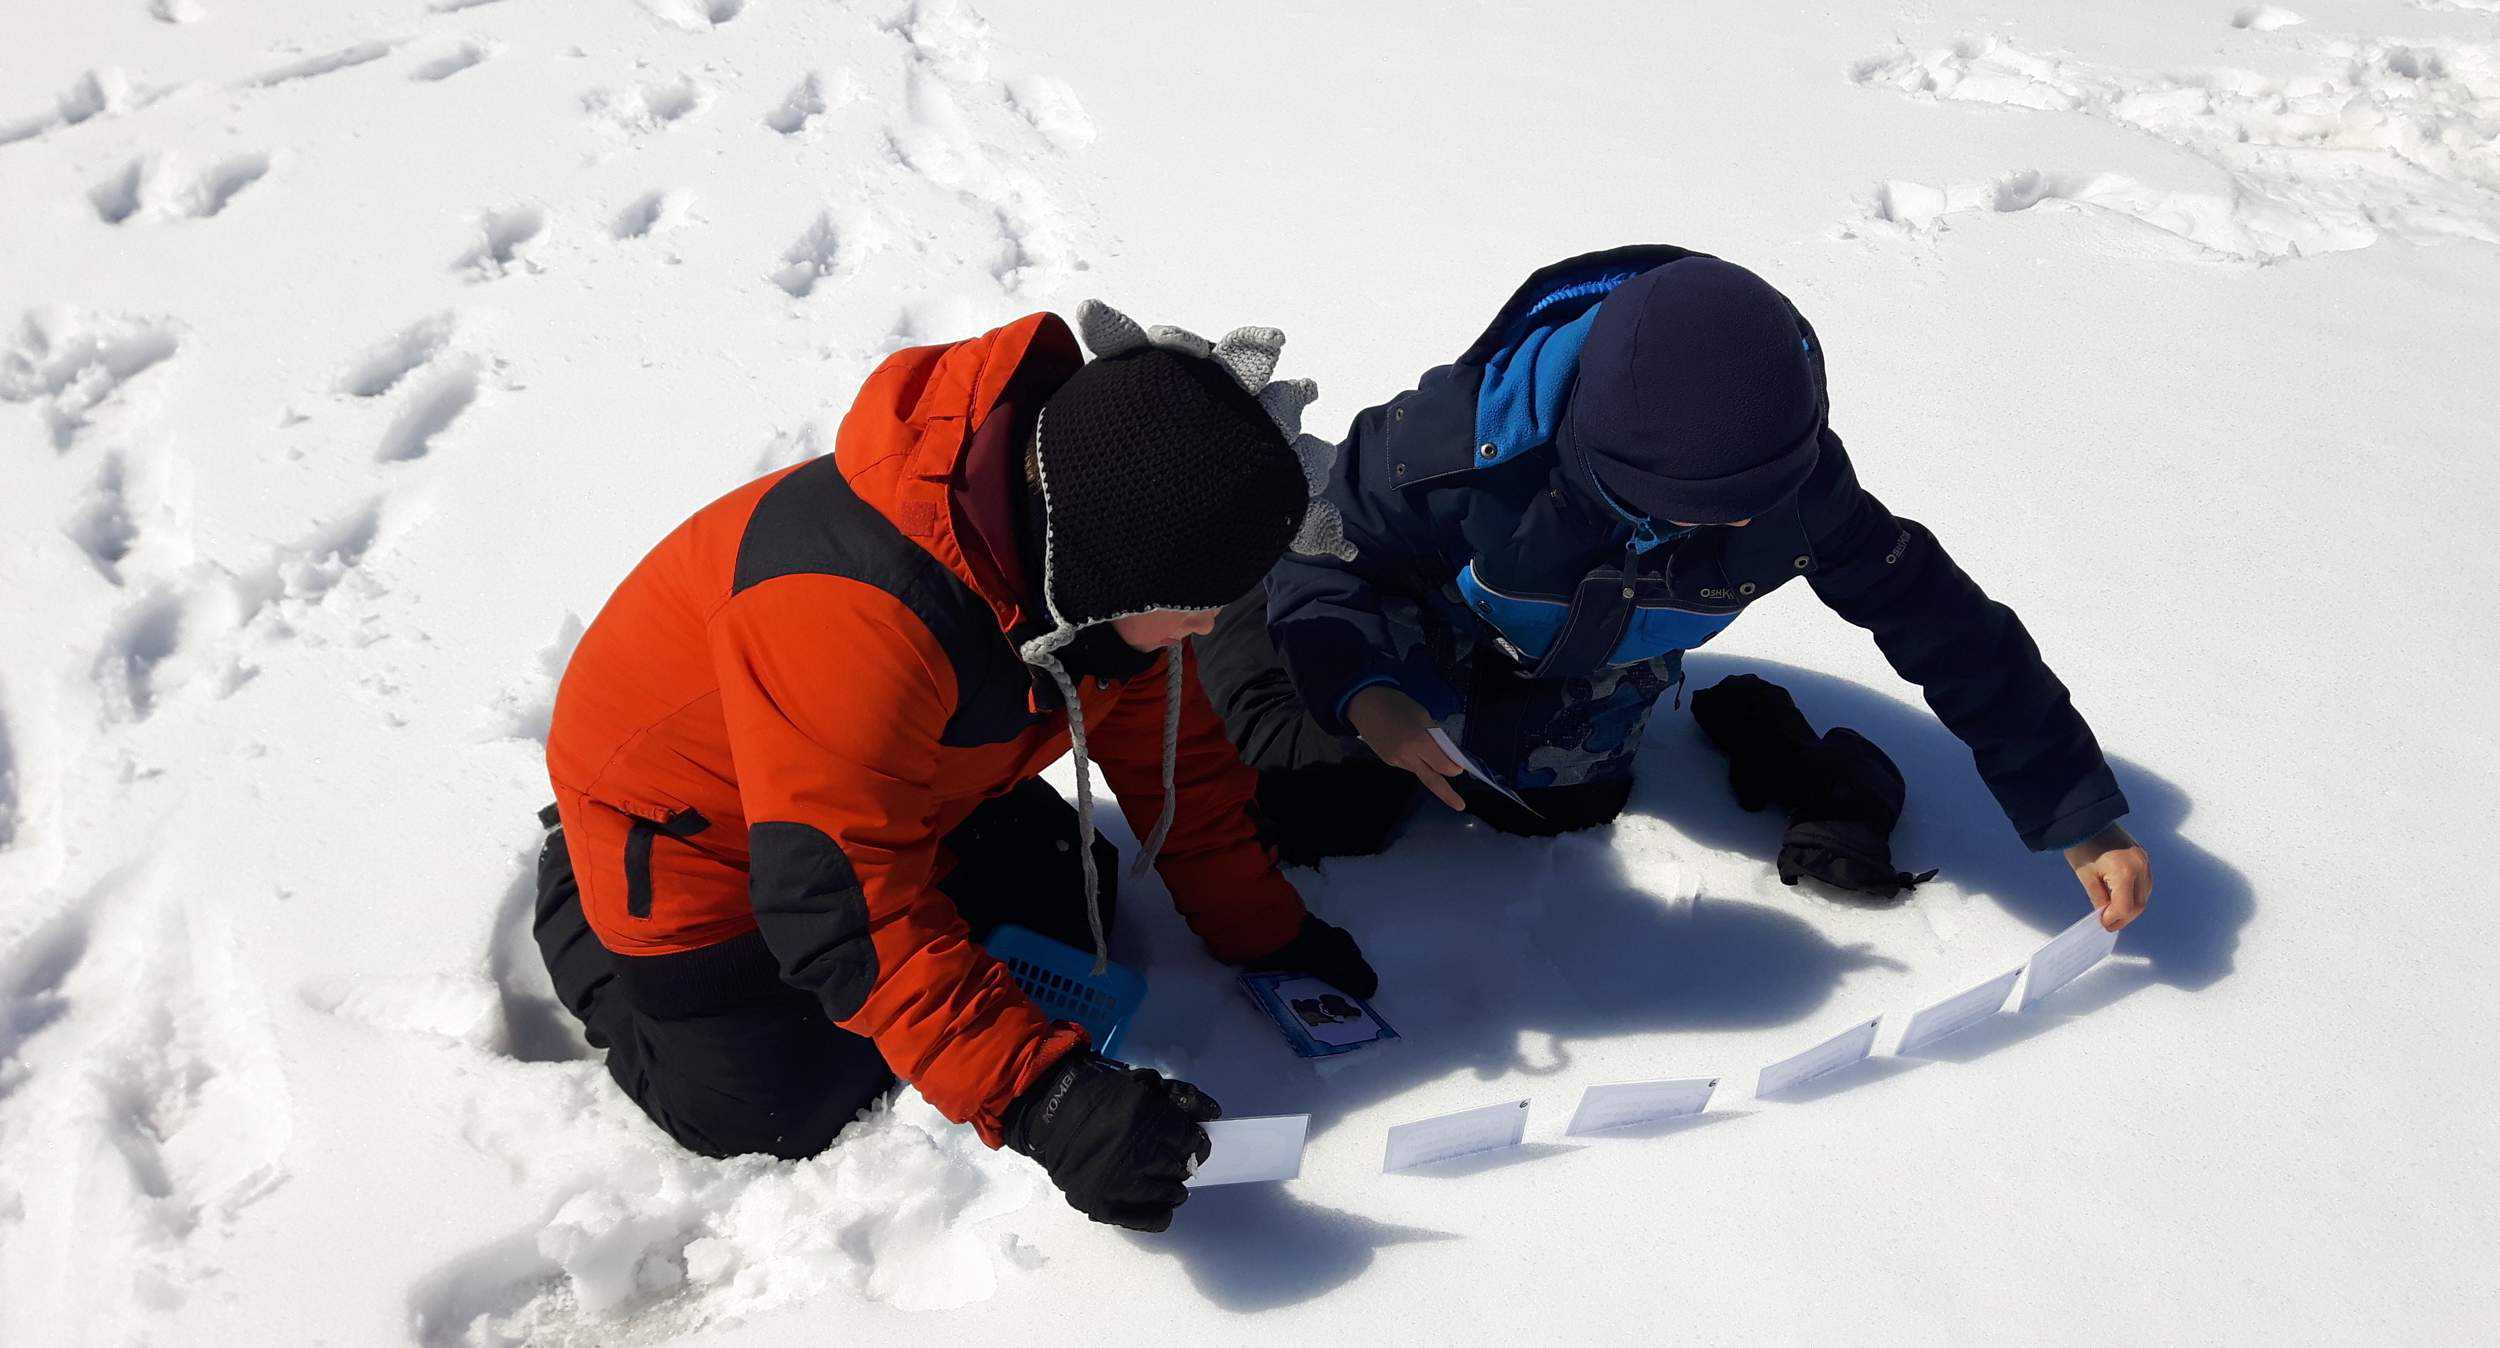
1117 1140
1840 826
1842 794
1849 856
1324 952
1847 777
1766 739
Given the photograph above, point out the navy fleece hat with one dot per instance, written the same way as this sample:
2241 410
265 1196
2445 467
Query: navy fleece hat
1697 399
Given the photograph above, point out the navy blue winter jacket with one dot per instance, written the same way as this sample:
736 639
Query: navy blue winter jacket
1455 501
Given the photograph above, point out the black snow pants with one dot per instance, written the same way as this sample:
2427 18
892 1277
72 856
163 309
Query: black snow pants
1325 796
726 1057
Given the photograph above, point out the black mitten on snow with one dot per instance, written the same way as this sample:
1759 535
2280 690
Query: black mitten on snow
1766 739
1840 825
1117 1140
1846 855
1842 794
1847 777
1328 953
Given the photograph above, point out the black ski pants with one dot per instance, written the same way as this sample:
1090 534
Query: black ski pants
726 1057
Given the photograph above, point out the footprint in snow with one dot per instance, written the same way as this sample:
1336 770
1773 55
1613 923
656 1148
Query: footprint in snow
2309 175
504 237
811 258
97 93
461 56
34 975
1051 105
651 108
694 16
72 363
101 525
325 64
155 1099
8 836
430 410
955 126
397 357
805 101
192 629
153 186
948 37
652 213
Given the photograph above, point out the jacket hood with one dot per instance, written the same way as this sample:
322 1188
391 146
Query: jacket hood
963 414
1530 353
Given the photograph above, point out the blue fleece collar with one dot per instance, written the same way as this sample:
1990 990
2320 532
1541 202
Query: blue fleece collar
1530 353
1519 405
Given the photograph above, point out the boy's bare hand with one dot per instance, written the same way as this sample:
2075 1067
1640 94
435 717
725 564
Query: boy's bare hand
1399 730
2115 873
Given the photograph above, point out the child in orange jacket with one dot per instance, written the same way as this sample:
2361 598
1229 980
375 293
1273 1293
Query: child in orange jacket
795 756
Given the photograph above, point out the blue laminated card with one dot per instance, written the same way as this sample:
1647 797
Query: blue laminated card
1316 1018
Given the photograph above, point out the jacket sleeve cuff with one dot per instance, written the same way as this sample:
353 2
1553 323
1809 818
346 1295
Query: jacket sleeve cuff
1237 902
2079 824
989 1121
1423 685
1337 716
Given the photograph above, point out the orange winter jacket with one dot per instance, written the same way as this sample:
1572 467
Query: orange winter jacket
807 685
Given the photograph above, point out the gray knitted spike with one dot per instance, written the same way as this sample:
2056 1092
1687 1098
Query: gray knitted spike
1180 339
1106 331
1319 458
1323 529
1250 353
1284 401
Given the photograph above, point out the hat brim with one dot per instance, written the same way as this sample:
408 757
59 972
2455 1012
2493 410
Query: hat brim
1663 499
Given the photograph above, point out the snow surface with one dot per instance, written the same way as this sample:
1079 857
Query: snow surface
351 351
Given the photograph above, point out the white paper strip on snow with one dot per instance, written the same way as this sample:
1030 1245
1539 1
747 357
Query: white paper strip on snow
1450 747
1253 1151
1849 1046
1465 1133
1631 1102
1958 1012
2064 959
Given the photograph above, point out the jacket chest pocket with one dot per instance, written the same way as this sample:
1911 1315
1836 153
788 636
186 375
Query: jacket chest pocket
639 839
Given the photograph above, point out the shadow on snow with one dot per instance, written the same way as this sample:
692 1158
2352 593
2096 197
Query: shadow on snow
1498 954
1483 941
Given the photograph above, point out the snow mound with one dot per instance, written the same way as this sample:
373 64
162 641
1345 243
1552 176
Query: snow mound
2380 139
668 1242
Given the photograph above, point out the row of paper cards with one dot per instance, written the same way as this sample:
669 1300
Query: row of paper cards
1264 1149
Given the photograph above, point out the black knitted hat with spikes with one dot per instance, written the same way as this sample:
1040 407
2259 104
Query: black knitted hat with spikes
1164 485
